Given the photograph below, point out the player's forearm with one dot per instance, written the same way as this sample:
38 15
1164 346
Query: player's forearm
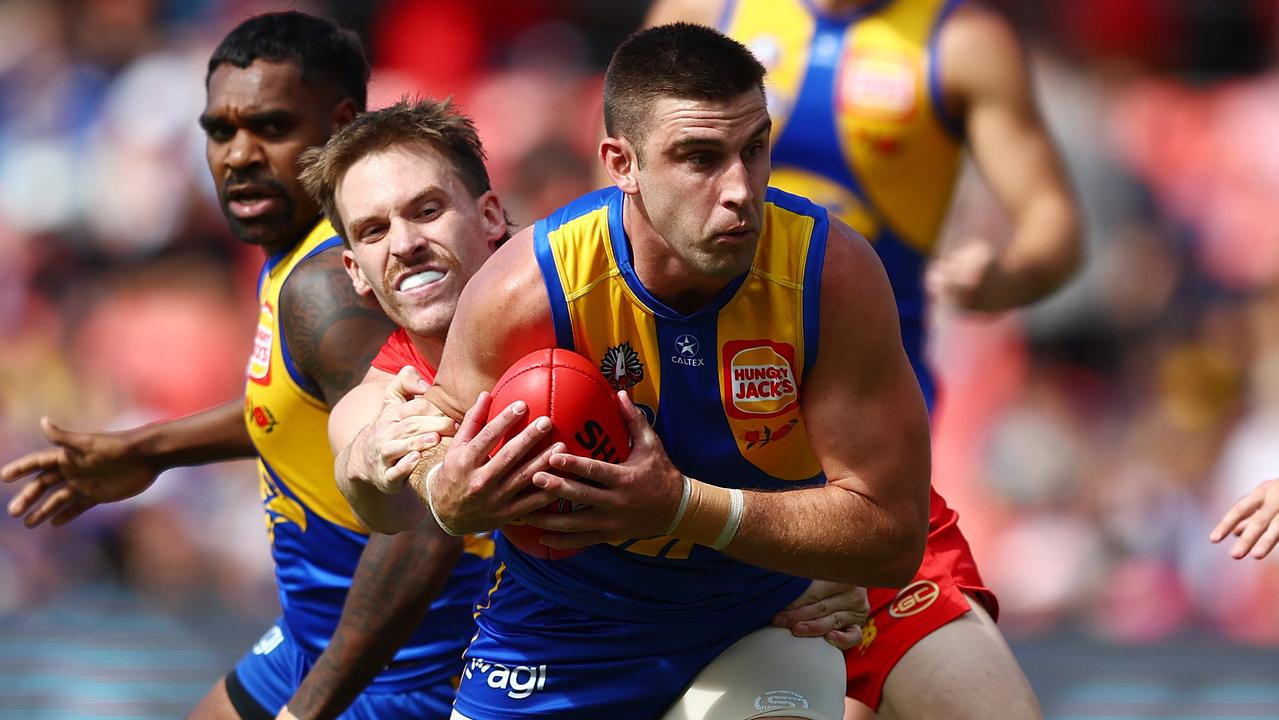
394 583
830 533
218 433
378 511
1045 252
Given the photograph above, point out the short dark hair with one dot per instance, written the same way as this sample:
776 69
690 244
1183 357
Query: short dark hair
323 52
433 123
681 60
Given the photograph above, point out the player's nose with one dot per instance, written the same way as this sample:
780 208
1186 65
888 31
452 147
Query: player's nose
735 185
407 240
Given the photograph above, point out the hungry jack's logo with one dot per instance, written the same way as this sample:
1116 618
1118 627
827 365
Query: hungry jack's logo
259 369
759 379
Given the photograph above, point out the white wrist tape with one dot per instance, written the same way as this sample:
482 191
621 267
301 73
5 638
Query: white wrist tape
737 504
426 485
683 506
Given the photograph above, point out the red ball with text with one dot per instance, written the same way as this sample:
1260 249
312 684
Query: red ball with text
585 416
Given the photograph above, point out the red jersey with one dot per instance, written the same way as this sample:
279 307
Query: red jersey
398 351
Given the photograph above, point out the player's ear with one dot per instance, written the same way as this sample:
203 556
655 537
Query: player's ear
343 113
621 163
493 217
353 271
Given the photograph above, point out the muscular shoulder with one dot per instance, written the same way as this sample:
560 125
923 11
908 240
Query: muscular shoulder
504 313
980 52
331 331
857 305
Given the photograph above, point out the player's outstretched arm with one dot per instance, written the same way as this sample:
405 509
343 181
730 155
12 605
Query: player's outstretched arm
82 470
986 83
503 314
394 584
866 419
379 432
1254 520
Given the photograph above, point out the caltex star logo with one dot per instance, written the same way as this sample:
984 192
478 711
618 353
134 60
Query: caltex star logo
686 345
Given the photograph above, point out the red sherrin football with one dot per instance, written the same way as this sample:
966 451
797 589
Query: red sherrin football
584 413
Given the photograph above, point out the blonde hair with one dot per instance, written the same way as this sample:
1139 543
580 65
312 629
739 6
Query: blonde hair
434 123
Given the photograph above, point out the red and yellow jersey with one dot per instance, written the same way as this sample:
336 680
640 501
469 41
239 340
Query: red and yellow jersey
316 541
721 386
859 126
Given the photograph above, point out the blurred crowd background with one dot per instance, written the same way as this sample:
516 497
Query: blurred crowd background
1089 444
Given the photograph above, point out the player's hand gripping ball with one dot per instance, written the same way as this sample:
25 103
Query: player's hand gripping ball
584 413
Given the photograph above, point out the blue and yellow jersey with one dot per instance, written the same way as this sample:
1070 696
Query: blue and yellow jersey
316 540
721 386
859 126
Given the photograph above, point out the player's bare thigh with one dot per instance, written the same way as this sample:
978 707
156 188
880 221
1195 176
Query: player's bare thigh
964 669
215 705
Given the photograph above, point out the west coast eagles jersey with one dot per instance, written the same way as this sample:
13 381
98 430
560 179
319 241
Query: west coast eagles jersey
859 126
316 540
721 386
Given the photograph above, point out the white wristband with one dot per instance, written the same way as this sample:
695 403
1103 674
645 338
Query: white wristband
426 484
683 505
737 504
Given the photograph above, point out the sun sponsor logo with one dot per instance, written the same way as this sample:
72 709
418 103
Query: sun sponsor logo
759 378
519 681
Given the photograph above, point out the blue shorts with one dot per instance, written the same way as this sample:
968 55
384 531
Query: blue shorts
535 658
274 667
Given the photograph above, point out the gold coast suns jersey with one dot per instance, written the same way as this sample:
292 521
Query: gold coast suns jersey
316 540
721 386
859 126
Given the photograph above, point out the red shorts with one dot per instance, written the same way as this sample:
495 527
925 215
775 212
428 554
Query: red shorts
900 618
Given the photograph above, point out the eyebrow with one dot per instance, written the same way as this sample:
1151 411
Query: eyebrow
262 117
358 224
696 143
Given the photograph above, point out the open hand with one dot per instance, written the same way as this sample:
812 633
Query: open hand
830 610
473 492
78 472
962 276
1254 520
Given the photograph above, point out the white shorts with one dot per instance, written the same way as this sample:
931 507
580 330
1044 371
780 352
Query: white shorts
767 674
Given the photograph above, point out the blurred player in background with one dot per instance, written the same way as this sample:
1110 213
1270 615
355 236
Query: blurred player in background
873 103
676 281
353 602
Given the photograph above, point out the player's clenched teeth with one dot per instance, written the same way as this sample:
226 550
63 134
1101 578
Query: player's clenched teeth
418 279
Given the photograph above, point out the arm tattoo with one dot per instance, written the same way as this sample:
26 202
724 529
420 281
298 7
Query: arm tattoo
332 333
396 580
